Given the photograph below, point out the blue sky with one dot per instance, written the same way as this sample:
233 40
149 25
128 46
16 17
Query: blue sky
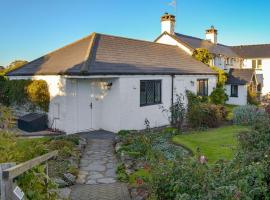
31 28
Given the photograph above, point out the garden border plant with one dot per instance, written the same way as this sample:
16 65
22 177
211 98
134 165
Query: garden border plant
19 92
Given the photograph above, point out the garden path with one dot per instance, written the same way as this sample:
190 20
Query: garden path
97 176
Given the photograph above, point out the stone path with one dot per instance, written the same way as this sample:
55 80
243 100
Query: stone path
98 163
97 177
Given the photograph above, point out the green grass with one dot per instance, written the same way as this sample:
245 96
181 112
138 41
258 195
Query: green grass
215 144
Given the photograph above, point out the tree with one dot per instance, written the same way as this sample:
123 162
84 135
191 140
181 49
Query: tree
13 65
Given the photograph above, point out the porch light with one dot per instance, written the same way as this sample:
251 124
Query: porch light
109 85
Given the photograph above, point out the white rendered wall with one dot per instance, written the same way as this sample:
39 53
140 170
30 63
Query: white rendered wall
242 95
133 116
119 109
265 71
166 39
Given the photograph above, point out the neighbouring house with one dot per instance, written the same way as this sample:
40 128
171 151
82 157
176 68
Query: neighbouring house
257 57
224 57
240 81
114 83
2 68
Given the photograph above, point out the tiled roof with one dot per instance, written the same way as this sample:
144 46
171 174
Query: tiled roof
195 43
99 54
253 51
240 76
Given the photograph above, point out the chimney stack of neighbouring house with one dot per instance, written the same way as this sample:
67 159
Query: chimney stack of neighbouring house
211 35
167 23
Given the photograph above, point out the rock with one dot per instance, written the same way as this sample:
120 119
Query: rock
63 193
129 164
70 178
106 180
73 162
130 171
118 146
82 141
60 182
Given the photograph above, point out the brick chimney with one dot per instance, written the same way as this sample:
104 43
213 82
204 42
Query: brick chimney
167 23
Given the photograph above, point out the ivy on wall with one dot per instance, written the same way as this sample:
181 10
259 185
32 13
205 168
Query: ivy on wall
19 92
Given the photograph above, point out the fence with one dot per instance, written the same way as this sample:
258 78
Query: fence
9 173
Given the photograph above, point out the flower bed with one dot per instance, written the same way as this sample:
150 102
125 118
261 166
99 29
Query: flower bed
62 170
137 150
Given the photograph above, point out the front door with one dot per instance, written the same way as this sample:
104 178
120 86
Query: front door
84 106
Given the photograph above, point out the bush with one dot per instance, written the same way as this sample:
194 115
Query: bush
19 92
205 115
252 98
248 115
38 94
6 117
218 96
193 99
177 112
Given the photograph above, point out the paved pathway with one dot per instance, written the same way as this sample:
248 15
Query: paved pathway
98 163
97 177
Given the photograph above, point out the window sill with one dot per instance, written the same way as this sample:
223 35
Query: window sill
234 96
153 104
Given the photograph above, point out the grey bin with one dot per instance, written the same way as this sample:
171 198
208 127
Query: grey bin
33 122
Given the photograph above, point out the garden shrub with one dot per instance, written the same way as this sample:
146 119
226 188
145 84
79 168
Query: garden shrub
6 117
248 115
252 98
19 92
218 96
204 115
121 173
38 93
177 112
193 99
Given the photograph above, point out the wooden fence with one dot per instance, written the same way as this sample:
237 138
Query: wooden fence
8 174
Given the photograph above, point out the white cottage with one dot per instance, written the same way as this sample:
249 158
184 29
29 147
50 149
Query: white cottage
225 57
113 83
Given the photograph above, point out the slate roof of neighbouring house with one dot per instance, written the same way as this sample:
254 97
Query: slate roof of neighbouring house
253 51
2 67
240 76
99 54
194 43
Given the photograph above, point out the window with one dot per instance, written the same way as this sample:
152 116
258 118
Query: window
234 90
254 64
150 92
202 87
259 64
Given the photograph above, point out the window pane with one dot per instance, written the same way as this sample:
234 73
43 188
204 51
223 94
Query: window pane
158 92
142 93
234 90
150 92
202 87
254 64
259 62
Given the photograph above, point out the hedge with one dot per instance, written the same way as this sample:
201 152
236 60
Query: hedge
21 92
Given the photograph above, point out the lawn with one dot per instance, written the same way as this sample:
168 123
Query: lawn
215 144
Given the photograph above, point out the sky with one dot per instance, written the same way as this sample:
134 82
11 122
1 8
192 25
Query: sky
32 28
